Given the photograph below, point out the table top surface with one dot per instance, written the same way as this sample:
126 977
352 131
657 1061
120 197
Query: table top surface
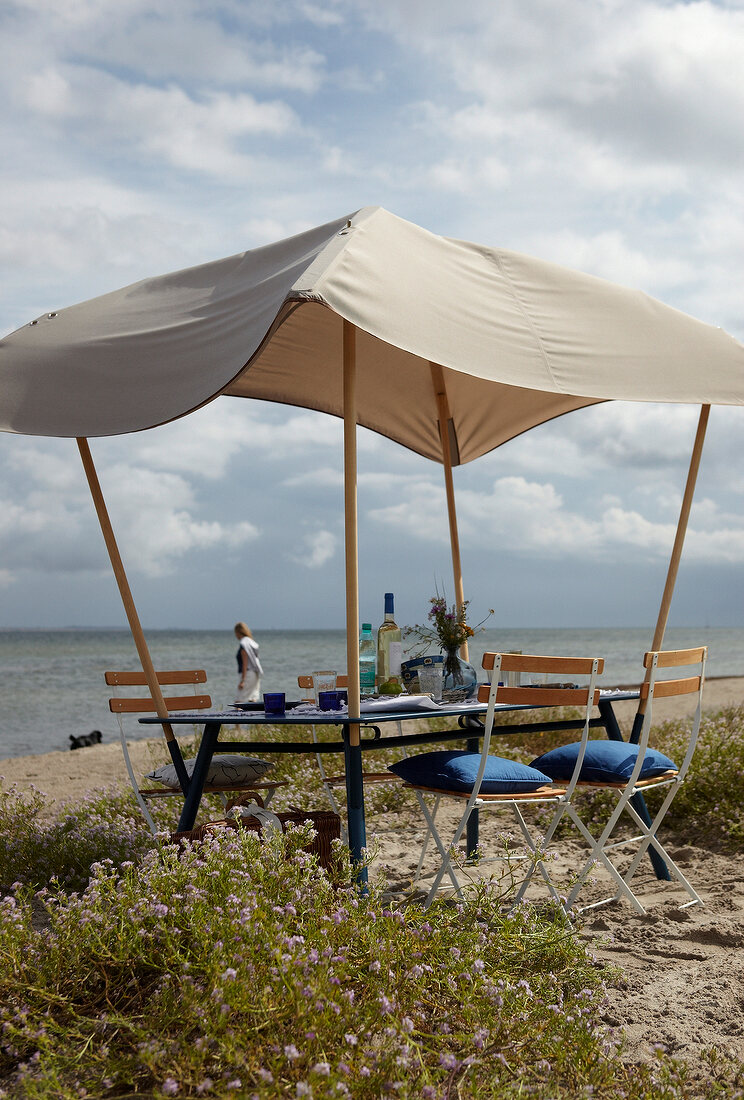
257 717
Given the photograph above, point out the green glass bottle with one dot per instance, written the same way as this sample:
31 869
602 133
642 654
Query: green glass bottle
367 660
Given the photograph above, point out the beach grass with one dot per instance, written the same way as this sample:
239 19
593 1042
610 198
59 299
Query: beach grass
238 968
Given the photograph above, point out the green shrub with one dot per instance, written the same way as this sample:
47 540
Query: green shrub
709 806
34 850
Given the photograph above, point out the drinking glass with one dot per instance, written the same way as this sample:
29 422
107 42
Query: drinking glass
274 702
430 681
323 681
329 700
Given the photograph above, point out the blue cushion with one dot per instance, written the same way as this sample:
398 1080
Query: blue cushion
604 762
456 770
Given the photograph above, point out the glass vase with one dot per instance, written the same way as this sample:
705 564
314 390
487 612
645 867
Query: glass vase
460 678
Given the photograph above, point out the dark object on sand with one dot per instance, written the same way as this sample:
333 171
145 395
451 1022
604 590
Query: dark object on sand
85 740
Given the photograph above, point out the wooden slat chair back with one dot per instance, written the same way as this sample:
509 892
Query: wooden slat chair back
197 700
548 693
602 846
145 704
498 795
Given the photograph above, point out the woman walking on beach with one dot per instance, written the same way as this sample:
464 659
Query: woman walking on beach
249 666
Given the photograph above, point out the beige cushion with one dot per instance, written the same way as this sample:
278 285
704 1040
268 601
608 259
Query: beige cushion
224 771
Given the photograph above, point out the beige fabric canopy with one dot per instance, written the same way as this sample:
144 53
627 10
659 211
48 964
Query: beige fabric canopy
520 341
376 320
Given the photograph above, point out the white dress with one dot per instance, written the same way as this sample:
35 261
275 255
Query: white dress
250 692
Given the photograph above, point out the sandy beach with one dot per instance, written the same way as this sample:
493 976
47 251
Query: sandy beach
679 976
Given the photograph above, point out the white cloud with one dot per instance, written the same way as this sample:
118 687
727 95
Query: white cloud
298 433
51 525
319 477
201 445
320 16
202 132
317 548
154 513
532 518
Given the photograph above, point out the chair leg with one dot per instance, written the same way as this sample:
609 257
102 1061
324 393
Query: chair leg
445 853
650 838
538 862
335 807
598 855
425 844
135 785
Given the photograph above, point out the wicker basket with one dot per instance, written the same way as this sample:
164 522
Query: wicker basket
327 827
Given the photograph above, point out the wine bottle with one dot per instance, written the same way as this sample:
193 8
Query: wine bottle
367 660
389 651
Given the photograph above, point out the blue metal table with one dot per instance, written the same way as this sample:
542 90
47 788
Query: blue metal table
469 727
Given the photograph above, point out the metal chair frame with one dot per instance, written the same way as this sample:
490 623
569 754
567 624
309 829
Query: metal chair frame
546 697
144 704
652 688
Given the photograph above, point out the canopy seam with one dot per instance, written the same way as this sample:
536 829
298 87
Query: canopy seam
497 256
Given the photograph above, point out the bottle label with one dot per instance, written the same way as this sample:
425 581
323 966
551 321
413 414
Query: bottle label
395 656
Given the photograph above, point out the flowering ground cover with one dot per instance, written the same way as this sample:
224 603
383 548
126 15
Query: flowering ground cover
238 969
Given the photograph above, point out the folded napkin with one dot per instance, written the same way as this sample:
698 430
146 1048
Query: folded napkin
312 708
398 702
375 706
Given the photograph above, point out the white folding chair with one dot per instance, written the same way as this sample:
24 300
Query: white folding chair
144 704
647 770
485 781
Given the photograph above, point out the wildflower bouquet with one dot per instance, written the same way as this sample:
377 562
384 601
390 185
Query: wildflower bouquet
449 630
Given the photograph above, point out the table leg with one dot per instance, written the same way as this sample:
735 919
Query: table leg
196 786
637 801
473 825
355 807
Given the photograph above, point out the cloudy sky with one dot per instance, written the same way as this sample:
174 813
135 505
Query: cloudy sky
140 136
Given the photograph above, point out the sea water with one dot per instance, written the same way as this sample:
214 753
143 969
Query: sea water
52 686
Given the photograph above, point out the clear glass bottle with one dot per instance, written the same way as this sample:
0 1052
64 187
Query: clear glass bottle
367 660
389 651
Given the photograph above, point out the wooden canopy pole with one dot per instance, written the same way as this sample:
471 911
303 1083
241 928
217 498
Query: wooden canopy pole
440 391
659 865
353 750
124 590
350 526
679 538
